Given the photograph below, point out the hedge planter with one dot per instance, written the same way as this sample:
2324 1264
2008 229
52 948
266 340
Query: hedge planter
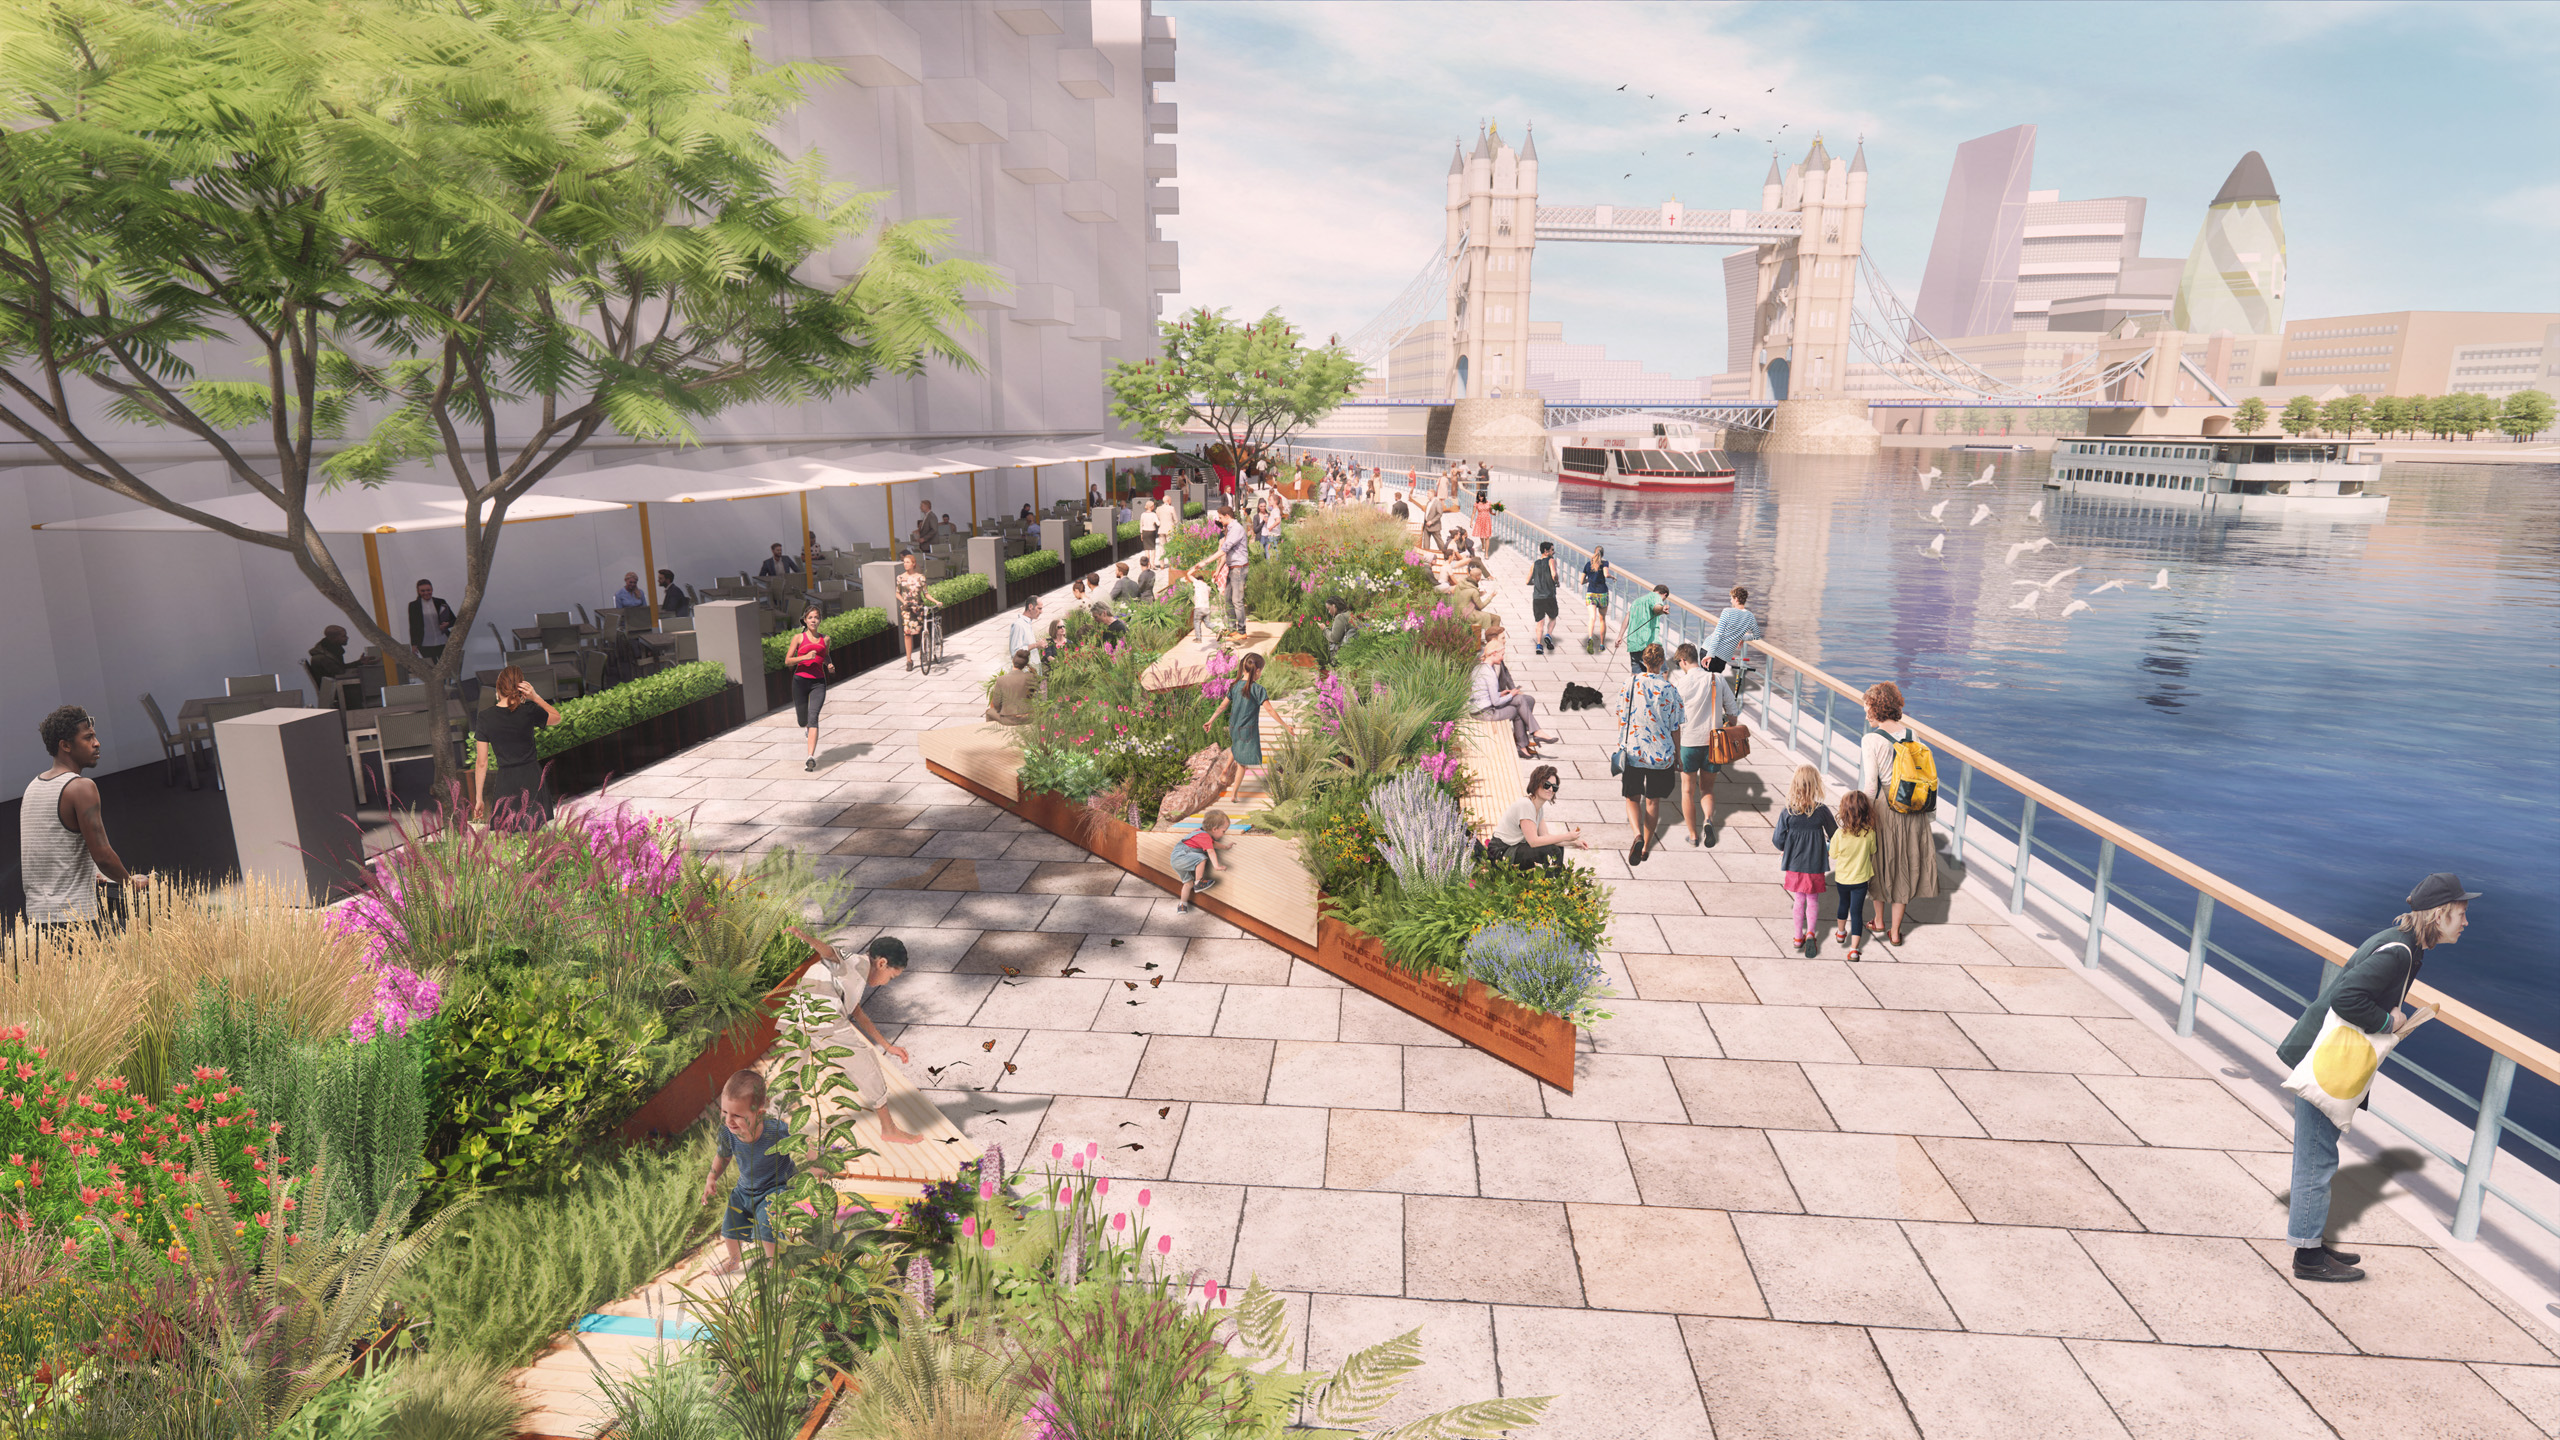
878 649
696 1088
588 766
1529 1040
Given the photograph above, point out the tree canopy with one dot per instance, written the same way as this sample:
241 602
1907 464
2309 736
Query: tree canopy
1252 384
474 234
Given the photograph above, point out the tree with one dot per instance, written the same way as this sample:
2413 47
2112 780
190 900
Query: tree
2300 413
2390 415
2345 415
1251 385
2475 412
2526 414
489 230
2251 417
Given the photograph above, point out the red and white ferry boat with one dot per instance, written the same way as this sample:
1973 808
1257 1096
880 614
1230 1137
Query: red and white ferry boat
1637 452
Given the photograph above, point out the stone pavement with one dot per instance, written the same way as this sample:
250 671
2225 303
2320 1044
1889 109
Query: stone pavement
1956 1190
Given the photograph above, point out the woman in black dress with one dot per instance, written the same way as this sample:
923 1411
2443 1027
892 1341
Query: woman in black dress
504 738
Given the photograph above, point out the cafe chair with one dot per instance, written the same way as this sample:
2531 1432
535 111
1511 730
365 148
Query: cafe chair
249 685
176 744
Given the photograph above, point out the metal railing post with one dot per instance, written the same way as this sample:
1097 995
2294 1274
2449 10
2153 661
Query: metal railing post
1828 695
2098 901
2026 857
1964 797
2484 1146
1795 706
2193 985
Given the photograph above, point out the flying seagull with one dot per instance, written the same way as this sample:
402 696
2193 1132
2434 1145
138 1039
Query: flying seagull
1937 548
2025 547
2160 581
2036 511
2074 608
1622 87
1932 473
2049 584
1980 514
1986 475
2029 603
1938 511
2110 585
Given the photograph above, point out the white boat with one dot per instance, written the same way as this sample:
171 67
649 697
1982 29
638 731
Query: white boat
1637 452
2223 475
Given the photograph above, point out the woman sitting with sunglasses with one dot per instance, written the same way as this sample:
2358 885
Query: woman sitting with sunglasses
1523 833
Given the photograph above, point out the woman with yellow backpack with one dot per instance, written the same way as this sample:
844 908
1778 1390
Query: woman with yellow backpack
1898 770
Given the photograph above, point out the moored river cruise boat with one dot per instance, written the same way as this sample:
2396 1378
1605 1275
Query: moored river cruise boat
2223 474
1637 452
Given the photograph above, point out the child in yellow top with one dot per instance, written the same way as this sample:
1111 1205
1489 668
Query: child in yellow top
1853 865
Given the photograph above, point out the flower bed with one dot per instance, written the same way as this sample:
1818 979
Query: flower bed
1366 773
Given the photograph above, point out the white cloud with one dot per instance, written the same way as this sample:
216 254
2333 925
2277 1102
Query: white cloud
2533 206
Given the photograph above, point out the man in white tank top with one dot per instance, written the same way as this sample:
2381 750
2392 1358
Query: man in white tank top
62 829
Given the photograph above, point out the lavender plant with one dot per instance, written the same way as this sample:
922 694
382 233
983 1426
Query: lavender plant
1540 969
1425 834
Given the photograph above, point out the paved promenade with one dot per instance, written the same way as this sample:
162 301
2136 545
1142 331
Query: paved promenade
1956 1190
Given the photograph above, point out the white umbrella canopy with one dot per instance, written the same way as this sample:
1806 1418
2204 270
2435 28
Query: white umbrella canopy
667 485
395 507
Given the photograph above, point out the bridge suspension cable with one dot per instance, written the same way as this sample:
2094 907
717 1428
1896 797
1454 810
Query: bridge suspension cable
1893 340
1423 299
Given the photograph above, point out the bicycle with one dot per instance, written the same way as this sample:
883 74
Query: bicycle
929 643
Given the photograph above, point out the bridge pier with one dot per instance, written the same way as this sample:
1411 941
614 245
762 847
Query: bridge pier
1819 425
1512 425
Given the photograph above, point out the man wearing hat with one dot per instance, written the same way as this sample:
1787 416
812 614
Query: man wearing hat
839 986
2367 992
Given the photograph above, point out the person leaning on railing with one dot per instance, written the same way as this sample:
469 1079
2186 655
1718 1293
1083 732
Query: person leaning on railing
2367 992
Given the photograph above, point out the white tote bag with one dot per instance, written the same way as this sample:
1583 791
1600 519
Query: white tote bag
2342 1063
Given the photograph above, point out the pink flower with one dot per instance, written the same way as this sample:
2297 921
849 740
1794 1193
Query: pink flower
1077 1163
969 1227
1058 1151
986 1188
1120 1220
1092 1148
986 1239
1102 1187
1065 1193
1164 1244
1145 1198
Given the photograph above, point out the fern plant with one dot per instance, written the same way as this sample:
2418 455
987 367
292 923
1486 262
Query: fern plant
1356 1392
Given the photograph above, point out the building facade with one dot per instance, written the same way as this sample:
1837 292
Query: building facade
2235 273
2419 352
1032 126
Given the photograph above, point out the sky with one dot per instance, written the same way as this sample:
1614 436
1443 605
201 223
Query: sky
2413 144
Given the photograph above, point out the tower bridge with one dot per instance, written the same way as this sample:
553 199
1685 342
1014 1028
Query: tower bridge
1815 297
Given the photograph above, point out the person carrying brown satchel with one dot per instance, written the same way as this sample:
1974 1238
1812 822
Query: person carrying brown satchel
1705 699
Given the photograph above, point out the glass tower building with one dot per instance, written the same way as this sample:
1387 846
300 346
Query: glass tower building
2234 278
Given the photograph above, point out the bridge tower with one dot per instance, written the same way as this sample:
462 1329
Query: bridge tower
1807 284
1492 239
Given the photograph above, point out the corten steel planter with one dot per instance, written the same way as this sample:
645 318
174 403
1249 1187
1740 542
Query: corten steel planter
696 1088
587 766
1529 1040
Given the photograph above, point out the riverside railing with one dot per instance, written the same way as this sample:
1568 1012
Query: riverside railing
1800 706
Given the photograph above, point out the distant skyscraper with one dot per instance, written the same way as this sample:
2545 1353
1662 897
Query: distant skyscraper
1971 285
2234 278
2073 248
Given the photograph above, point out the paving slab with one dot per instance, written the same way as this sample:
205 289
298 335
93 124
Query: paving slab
1517 1252
1766 1377
1840 1271
1995 1387
2366 1397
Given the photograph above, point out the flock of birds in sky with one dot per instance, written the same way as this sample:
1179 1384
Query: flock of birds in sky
1705 113
1936 549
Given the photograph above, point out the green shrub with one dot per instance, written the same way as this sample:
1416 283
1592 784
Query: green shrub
1194 510
1128 531
860 623
1071 773
1305 636
531 1068
516 1270
1537 968
1084 545
1429 931
364 1106
1023 567
590 717
960 587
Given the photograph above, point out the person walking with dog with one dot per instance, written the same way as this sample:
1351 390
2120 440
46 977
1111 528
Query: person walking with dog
1900 774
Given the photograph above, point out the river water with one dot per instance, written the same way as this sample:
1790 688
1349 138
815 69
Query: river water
2320 711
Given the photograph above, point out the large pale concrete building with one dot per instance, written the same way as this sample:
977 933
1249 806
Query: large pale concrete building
1031 125
2419 352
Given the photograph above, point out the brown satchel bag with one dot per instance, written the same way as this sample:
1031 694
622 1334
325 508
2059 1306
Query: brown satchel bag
1725 743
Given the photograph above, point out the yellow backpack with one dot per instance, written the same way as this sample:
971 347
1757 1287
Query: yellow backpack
1911 787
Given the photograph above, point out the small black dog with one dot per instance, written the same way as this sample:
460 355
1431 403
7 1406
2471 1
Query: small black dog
1579 697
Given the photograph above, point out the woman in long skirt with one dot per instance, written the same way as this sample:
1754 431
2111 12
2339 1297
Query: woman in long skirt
1906 852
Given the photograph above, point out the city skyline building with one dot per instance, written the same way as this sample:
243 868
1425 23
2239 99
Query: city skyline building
2422 352
2235 274
1971 284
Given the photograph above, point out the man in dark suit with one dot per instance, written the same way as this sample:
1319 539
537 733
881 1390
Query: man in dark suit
778 563
430 623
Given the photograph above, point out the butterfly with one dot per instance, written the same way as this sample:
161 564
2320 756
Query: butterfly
1072 970
950 1139
1150 965
990 1045
1010 1068
1116 943
1132 984
1159 980
1009 970
1132 1147
1163 1110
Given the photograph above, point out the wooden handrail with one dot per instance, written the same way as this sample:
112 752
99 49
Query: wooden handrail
2467 1019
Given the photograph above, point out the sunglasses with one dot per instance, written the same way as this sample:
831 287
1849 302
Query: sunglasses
1551 785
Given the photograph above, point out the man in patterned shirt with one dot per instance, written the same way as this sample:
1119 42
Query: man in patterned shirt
1649 716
